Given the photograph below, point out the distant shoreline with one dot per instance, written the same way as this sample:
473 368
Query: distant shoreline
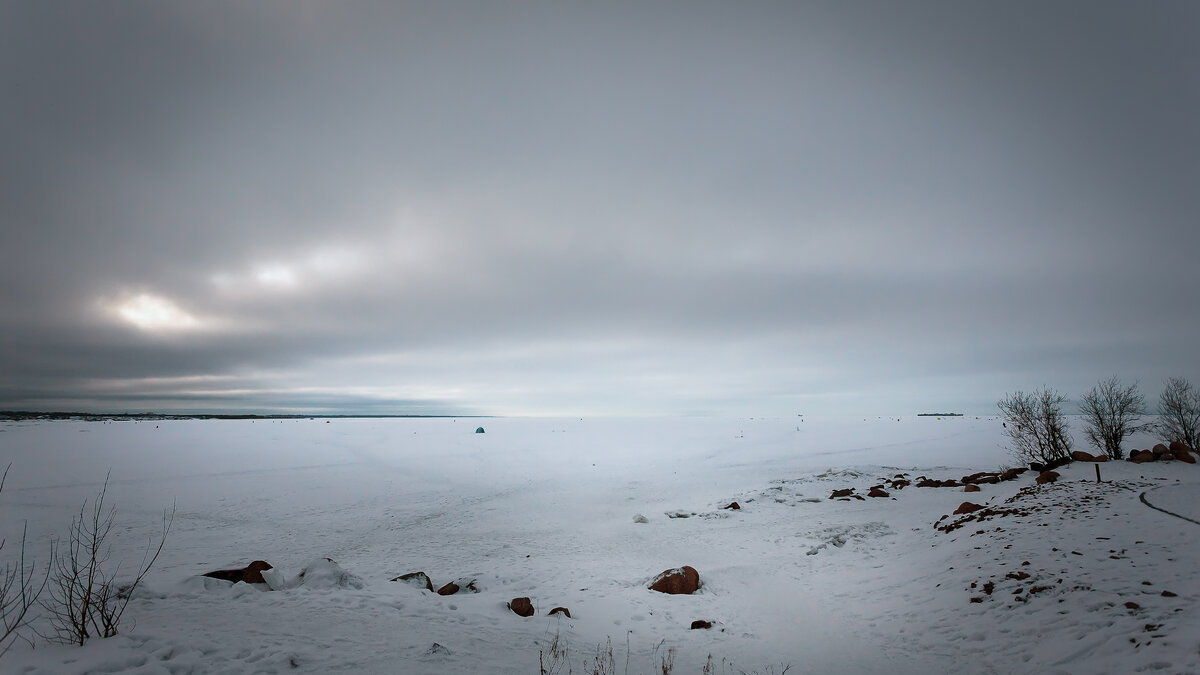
22 415
939 414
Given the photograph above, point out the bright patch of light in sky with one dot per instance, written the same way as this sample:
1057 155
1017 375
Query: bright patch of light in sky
155 313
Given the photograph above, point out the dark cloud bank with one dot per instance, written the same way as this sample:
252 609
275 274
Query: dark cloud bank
614 208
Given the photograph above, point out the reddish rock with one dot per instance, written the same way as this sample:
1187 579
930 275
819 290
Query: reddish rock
967 507
679 581
1168 594
521 606
1011 474
251 574
701 623
1182 452
1132 605
418 579
1047 477
1159 450
467 585
560 610
842 493
733 506
1081 456
971 488
1142 456
989 587
877 492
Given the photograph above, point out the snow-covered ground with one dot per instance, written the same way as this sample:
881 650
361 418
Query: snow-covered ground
546 508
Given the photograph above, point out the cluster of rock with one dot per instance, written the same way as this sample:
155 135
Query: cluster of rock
900 481
422 580
676 581
1163 453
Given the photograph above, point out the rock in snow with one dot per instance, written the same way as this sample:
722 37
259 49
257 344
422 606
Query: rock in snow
418 579
250 574
679 581
521 606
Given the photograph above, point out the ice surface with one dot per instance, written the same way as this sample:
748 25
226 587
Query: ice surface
546 508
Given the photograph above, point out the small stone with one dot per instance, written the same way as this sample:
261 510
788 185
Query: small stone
418 579
1169 594
700 624
1132 605
561 610
733 506
521 606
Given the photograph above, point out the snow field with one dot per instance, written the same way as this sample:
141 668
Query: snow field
545 508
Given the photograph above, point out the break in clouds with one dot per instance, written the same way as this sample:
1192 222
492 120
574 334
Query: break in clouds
623 208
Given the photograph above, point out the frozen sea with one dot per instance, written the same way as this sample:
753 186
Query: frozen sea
547 509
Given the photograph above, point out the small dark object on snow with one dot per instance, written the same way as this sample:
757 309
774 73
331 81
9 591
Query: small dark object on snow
251 574
479 430
521 606
701 623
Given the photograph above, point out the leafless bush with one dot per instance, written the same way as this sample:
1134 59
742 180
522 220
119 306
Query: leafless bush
1036 425
553 658
1111 412
19 590
85 600
1179 412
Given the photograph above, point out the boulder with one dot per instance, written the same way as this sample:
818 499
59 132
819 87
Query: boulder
250 574
1142 456
967 507
418 579
561 610
701 624
1012 474
678 581
1182 452
1047 477
1081 456
733 506
877 491
1159 450
842 493
521 606
971 488
449 589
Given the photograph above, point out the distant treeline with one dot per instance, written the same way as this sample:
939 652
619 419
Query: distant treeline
939 414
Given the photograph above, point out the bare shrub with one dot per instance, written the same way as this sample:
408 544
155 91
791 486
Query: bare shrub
85 600
1036 425
1111 412
20 587
1179 412
554 658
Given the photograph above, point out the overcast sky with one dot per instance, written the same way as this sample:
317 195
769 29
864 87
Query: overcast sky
598 208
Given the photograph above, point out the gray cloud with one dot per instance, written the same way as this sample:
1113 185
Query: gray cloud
614 208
